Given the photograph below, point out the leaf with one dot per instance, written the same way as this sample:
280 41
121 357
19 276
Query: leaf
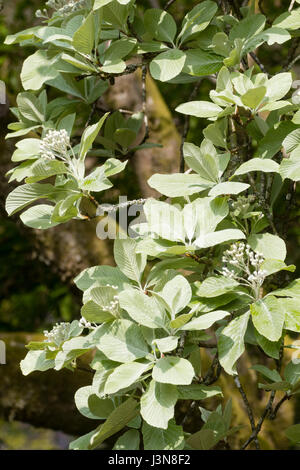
122 341
102 275
197 20
43 169
23 195
129 262
271 246
167 344
228 188
292 371
257 164
177 293
142 308
89 136
160 25
253 97
268 317
178 184
36 360
130 440
197 392
202 109
38 217
124 376
84 37
158 403
271 143
205 321
231 342
278 86
160 439
292 141
30 107
26 148
37 69
118 419
167 65
293 433
216 285
270 374
248 27
173 370
291 307
199 63
288 20
82 403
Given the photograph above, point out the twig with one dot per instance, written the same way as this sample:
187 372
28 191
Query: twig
186 127
181 344
292 5
144 101
273 414
258 62
168 4
290 65
292 52
248 409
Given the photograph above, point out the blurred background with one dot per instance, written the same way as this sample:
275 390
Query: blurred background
37 268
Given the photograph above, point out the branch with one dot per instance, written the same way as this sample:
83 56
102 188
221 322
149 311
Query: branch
257 61
248 409
168 4
273 414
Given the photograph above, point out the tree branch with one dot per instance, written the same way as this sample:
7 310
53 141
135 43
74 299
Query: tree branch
248 409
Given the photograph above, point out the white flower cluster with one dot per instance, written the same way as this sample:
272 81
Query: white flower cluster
65 6
246 265
58 334
85 324
55 144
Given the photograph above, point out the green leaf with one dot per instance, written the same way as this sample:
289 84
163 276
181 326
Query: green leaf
104 408
199 63
198 392
293 432
142 308
26 148
215 286
278 86
291 307
124 376
205 321
158 403
173 370
268 317
171 438
25 194
118 419
129 262
177 293
84 37
89 136
43 169
160 25
178 184
288 20
231 342
271 143
253 97
202 109
39 217
167 344
228 188
38 69
197 20
36 360
271 246
102 275
292 371
248 27
122 341
257 164
270 374
130 440
30 107
292 141
167 65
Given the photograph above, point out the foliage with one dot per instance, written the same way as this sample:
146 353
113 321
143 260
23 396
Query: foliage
182 274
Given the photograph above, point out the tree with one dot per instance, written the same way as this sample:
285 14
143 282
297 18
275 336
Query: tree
209 255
